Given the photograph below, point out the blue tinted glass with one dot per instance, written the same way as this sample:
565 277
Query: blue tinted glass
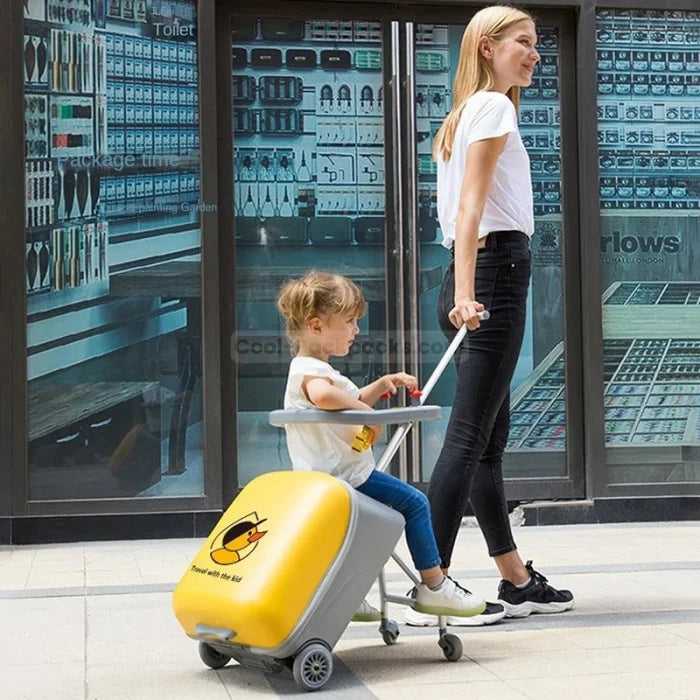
649 200
112 249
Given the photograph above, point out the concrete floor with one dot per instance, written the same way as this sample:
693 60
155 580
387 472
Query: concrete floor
93 621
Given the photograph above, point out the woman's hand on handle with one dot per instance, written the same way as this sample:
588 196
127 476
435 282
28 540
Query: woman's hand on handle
466 311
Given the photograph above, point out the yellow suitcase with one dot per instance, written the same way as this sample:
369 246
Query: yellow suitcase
284 570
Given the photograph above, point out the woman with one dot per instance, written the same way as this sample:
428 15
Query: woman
486 216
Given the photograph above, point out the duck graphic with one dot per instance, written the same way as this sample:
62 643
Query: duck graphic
237 540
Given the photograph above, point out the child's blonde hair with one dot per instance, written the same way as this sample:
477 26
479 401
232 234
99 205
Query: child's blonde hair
317 295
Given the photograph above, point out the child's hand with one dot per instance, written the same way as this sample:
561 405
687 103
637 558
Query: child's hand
393 381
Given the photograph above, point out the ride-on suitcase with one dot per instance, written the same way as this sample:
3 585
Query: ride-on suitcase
282 573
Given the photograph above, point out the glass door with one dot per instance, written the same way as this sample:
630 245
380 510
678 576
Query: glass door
309 193
538 448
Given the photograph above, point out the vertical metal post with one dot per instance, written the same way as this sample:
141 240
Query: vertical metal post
412 253
589 227
210 311
13 310
227 251
398 252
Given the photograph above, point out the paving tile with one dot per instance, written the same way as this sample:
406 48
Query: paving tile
473 690
43 678
676 685
558 664
14 580
107 578
685 630
39 629
154 681
45 579
619 636
513 641
414 660
153 632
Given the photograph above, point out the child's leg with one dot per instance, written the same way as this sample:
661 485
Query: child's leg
414 507
438 594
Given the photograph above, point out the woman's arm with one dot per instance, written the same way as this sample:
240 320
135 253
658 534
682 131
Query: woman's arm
482 157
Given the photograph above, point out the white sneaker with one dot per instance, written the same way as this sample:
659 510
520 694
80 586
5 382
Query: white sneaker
366 613
493 613
448 599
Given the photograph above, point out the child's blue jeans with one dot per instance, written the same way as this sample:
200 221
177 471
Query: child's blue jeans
414 506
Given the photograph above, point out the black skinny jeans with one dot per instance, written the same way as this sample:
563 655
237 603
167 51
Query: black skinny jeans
470 465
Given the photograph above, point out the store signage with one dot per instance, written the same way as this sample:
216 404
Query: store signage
175 30
618 243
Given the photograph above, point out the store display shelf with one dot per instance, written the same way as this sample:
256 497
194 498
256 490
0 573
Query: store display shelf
178 82
60 300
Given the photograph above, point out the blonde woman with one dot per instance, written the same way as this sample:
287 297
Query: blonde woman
486 216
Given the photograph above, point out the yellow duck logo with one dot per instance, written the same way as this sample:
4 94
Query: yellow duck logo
238 540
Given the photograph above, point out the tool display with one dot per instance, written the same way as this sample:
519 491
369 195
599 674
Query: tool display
647 110
36 60
101 85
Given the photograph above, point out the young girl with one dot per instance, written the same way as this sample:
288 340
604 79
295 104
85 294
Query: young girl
321 312
485 210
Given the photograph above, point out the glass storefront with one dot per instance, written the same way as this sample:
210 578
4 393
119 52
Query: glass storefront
649 161
112 249
323 120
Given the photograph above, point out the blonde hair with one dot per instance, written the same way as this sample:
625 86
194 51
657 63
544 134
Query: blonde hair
473 71
317 295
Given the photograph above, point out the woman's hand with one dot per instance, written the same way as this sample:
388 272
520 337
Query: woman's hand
465 311
391 382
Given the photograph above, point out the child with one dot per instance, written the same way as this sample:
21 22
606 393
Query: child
321 312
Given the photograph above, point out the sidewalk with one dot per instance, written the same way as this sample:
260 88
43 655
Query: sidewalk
93 621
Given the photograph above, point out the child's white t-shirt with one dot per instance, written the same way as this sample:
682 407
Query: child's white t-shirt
323 447
509 200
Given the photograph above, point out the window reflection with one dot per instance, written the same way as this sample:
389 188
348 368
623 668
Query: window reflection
112 249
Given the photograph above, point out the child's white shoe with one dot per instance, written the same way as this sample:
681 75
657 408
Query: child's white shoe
448 599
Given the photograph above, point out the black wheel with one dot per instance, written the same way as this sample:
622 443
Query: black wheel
389 631
313 666
389 637
451 646
212 657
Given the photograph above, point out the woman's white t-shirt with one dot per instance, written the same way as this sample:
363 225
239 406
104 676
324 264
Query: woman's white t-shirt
509 201
323 447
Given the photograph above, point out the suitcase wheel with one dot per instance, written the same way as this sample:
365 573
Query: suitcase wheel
451 646
390 631
212 657
313 666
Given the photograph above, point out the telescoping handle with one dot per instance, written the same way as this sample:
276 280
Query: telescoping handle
400 434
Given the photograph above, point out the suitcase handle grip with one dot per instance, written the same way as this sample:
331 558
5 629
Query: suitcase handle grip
216 634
